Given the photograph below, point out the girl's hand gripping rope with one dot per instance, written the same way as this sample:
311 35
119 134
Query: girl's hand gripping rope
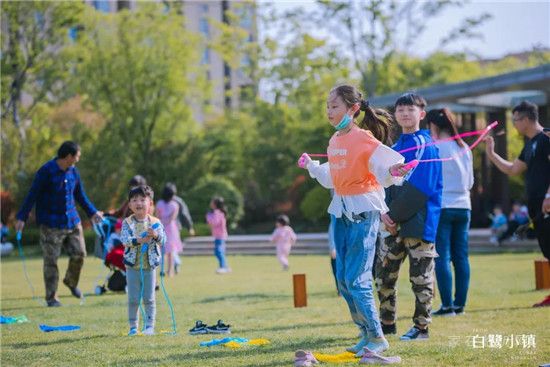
304 160
401 169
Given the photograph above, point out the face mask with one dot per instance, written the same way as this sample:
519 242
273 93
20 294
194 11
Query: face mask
343 123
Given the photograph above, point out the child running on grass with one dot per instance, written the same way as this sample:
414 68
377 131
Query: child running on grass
359 166
142 236
284 238
218 225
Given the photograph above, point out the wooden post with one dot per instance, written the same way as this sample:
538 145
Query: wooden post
542 274
300 293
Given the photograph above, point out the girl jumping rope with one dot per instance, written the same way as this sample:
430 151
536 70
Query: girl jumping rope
359 167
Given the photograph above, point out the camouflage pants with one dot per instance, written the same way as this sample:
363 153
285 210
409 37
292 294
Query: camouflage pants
51 241
390 256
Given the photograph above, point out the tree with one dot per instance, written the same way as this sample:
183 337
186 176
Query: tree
370 29
141 71
33 74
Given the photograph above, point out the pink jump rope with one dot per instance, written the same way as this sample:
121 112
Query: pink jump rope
482 134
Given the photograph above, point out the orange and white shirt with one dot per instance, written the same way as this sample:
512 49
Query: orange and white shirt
358 170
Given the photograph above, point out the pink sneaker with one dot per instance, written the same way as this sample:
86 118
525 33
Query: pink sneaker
304 358
370 357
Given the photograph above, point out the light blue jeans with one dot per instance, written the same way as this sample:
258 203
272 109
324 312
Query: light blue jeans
355 252
452 247
133 281
219 252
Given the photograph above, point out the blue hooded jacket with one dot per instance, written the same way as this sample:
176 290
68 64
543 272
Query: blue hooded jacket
416 205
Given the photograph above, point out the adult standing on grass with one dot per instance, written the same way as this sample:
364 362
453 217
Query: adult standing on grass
56 187
534 160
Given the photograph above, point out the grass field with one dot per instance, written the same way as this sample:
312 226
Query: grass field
257 300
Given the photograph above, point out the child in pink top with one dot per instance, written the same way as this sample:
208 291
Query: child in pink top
217 222
167 212
283 237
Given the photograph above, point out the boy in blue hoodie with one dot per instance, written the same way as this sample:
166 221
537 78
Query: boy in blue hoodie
411 221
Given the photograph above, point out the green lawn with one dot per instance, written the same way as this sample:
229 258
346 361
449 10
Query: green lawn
257 300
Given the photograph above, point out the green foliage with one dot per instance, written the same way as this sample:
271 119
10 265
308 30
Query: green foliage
208 187
315 204
136 69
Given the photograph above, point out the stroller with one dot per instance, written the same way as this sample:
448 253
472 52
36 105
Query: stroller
111 250
115 281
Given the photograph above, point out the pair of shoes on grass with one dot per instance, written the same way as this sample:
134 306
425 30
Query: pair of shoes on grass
202 328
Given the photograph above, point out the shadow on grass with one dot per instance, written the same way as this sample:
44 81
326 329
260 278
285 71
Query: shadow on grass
307 326
244 297
501 309
224 355
52 342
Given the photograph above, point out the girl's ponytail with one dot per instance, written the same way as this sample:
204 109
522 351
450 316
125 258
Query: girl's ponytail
378 121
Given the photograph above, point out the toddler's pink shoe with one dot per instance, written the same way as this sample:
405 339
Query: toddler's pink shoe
304 358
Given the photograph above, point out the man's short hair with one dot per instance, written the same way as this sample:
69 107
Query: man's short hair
67 148
141 190
527 109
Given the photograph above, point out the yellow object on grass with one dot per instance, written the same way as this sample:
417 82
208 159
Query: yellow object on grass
336 358
236 345
258 342
232 345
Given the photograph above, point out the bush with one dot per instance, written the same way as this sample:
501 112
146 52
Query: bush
315 204
198 199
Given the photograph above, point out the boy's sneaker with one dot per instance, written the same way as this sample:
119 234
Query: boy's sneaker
359 346
200 328
443 311
416 334
132 332
219 328
149 331
459 310
389 329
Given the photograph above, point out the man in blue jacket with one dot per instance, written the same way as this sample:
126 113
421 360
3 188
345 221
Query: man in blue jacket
412 222
56 187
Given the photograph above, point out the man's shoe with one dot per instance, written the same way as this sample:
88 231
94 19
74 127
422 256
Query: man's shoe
219 328
54 303
133 331
74 290
416 334
389 329
200 328
444 312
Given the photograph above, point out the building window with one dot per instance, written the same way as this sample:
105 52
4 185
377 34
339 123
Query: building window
204 8
204 27
205 59
102 5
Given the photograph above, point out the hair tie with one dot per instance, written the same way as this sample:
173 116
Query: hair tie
364 104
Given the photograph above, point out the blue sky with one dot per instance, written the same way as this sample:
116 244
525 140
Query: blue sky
515 26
